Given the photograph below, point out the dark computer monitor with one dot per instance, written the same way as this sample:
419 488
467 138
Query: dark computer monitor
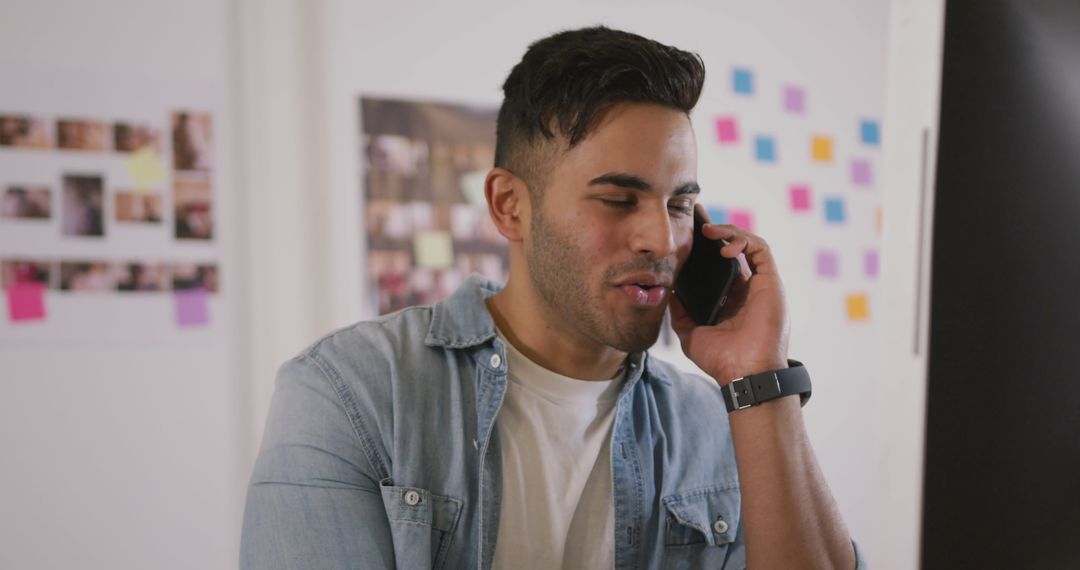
1002 471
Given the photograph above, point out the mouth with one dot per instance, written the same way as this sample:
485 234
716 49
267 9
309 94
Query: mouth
645 290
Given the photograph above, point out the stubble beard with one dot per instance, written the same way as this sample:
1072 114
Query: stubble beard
559 273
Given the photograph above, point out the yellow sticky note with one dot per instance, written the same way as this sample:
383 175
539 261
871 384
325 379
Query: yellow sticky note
433 249
858 307
146 168
472 185
821 148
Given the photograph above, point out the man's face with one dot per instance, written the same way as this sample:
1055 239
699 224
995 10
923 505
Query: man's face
619 204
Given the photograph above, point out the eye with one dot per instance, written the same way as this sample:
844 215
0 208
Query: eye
682 206
619 203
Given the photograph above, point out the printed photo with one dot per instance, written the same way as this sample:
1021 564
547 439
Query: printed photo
129 137
193 207
192 141
195 276
24 271
30 202
87 276
135 276
139 207
78 134
390 272
23 131
81 211
424 169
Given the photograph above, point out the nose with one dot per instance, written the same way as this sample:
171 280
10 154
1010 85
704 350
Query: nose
652 234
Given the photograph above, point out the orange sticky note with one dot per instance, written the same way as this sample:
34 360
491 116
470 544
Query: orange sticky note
821 148
858 307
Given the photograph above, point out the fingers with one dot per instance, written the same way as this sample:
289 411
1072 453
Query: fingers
756 252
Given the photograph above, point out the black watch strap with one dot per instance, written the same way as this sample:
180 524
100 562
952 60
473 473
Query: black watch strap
755 389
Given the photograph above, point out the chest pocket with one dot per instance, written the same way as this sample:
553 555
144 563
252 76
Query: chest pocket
422 525
703 529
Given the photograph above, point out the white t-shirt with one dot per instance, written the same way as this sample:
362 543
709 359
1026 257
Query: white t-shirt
555 438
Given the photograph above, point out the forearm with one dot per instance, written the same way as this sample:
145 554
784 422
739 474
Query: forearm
791 520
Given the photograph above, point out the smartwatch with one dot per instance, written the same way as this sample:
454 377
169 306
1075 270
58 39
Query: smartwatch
757 388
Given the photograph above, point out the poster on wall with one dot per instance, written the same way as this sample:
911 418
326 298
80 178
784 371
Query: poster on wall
428 229
109 209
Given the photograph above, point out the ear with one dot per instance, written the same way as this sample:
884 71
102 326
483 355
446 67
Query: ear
508 202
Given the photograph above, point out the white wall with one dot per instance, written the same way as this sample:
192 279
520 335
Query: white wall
123 446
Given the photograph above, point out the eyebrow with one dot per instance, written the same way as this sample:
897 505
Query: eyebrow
626 180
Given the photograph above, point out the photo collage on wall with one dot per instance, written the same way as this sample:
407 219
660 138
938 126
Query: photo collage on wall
427 222
89 206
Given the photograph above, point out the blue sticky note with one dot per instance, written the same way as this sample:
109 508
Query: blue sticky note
743 80
717 215
871 132
834 210
765 149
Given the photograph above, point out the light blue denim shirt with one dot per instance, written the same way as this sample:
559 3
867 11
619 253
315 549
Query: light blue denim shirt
381 451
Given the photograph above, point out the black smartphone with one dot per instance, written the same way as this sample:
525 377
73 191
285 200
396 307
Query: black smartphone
706 278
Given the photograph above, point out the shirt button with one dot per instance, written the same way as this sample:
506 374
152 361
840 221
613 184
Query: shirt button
412 498
720 526
495 361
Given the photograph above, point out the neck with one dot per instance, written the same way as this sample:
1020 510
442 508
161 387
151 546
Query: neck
544 338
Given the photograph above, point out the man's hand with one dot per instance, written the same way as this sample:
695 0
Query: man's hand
752 335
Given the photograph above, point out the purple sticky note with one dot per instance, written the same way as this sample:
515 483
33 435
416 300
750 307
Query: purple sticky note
727 130
794 99
861 173
742 218
828 264
870 263
191 307
800 197
26 302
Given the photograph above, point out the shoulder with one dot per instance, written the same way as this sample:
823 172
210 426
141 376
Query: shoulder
372 344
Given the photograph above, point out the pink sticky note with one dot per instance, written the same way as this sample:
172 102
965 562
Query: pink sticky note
794 99
727 130
742 218
800 197
861 173
828 264
191 307
26 302
870 263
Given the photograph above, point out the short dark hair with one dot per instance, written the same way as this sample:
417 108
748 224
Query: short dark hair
568 80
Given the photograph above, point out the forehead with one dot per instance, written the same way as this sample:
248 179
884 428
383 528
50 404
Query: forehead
651 141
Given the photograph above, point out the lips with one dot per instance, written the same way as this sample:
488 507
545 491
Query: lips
645 289
646 280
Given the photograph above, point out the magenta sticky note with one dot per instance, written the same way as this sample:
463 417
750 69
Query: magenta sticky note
192 307
800 197
861 172
870 263
794 99
742 218
26 302
828 263
727 130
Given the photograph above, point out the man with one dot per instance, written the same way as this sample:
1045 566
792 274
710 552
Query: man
526 426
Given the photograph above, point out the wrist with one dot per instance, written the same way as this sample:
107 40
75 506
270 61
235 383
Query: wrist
748 369
755 389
